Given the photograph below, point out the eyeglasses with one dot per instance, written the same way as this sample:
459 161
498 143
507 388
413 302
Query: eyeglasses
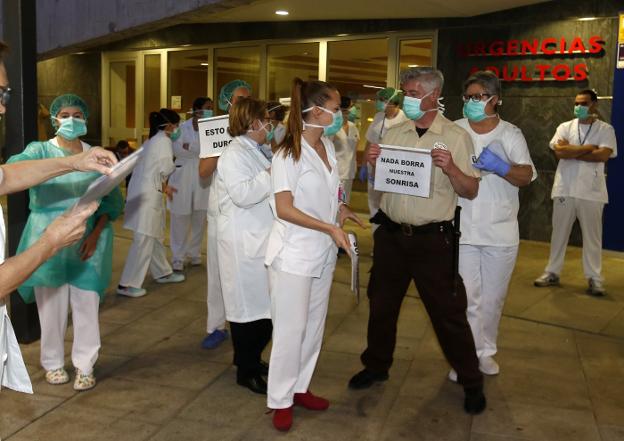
475 97
5 95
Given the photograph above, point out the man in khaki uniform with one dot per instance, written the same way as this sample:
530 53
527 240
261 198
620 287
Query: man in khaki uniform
415 241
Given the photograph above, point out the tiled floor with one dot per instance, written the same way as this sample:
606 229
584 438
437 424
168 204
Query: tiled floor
561 356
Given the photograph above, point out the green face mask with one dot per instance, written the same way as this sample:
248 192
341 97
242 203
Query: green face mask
380 106
175 135
581 112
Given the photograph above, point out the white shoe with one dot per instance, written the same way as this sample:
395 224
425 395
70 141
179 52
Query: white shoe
171 278
546 279
177 265
130 291
452 375
595 288
488 366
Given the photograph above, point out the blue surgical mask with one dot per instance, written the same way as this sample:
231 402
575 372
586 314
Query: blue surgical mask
475 110
207 113
411 107
380 106
175 135
331 129
71 128
353 114
270 133
581 112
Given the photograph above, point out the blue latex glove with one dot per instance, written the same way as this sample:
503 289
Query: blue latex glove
491 162
363 173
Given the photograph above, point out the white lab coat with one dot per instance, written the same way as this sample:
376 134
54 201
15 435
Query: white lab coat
13 373
243 188
192 194
145 210
345 144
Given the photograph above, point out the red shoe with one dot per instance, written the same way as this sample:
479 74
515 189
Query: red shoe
283 418
311 402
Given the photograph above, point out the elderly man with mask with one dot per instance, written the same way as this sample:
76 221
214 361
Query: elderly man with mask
415 241
65 230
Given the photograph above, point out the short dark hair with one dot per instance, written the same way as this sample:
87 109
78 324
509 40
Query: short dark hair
589 93
345 102
4 48
199 102
278 109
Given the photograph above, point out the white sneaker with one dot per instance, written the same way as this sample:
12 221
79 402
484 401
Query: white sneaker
130 291
177 265
595 288
546 279
171 278
452 375
488 366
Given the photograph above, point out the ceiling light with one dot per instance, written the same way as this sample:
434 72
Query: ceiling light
205 64
587 18
413 65
185 45
371 87
281 12
342 35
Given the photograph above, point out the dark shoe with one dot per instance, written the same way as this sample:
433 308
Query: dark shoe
255 384
310 401
264 368
474 401
365 379
283 418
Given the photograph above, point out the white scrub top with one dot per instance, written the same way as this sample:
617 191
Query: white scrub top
280 133
295 249
491 219
345 144
13 373
582 179
381 125
192 194
243 189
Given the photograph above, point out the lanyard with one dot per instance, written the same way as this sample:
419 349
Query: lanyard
578 128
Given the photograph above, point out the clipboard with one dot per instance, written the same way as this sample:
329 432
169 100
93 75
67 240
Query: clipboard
355 266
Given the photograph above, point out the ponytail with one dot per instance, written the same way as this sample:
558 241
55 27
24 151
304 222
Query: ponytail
158 120
304 95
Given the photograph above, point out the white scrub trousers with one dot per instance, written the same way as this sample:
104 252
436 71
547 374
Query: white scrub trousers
216 307
589 214
298 310
486 271
146 252
53 306
184 242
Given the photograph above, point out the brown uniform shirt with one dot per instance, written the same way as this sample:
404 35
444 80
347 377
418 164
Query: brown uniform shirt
441 205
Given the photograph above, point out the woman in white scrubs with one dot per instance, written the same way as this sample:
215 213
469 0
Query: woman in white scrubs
188 208
145 208
301 254
216 333
345 142
243 187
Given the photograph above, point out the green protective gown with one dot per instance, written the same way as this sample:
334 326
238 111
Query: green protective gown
49 200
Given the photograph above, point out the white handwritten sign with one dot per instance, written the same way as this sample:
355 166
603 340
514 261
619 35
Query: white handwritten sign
404 170
213 136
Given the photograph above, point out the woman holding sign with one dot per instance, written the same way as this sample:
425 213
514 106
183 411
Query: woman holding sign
79 274
301 253
216 333
145 210
243 191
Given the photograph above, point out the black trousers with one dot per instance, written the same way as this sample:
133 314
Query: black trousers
426 258
249 340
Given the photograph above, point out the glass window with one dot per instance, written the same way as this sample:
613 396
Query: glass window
237 63
151 87
287 61
414 53
122 101
359 68
188 78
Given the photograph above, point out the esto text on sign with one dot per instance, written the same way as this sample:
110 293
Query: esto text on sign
213 136
404 170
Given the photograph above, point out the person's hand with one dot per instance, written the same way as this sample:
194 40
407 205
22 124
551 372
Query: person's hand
69 227
341 238
88 246
563 142
491 162
363 173
442 158
185 146
170 191
95 159
373 153
345 213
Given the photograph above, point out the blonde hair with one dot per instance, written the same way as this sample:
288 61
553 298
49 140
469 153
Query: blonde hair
244 113
304 95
